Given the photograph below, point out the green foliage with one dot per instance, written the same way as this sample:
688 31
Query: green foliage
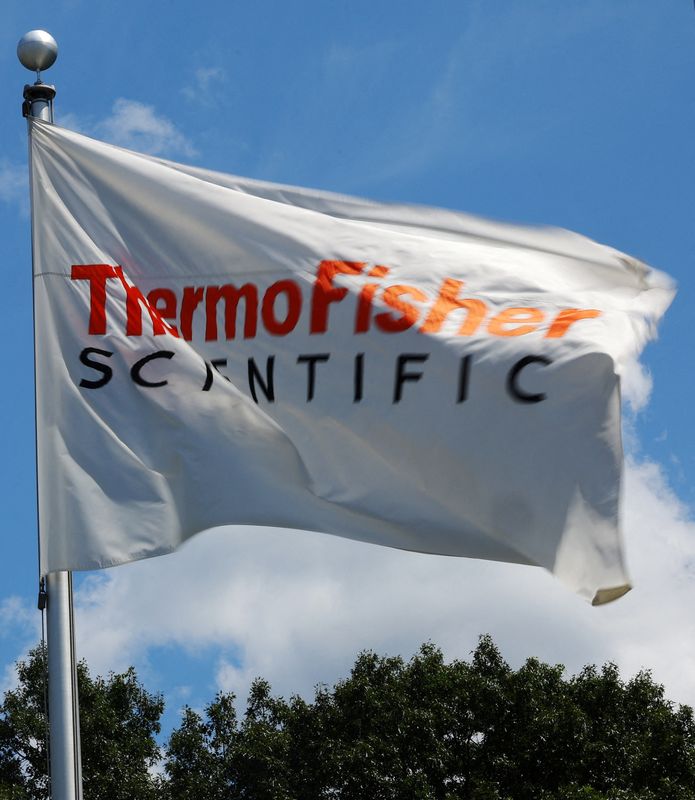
23 755
119 721
421 729
428 730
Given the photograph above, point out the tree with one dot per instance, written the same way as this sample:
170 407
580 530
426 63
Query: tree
422 729
218 758
119 721
431 730
198 754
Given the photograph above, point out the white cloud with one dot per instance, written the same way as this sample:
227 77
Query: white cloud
297 607
636 385
72 121
14 185
134 125
19 623
15 615
139 127
200 87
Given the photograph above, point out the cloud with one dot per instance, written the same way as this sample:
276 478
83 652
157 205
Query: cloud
134 125
130 124
73 122
137 126
20 623
636 385
199 89
297 607
15 616
14 185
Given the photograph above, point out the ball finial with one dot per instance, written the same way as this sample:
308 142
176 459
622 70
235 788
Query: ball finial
37 50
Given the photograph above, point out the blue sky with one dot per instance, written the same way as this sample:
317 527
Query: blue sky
578 114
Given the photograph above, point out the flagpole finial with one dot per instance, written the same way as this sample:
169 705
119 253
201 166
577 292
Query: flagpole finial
37 50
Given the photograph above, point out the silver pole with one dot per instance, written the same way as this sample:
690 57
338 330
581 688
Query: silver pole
63 709
37 50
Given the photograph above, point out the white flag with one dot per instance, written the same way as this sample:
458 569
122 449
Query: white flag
213 350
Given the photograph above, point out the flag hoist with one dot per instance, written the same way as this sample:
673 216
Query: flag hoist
37 50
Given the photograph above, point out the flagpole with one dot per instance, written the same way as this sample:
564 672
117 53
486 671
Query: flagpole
37 50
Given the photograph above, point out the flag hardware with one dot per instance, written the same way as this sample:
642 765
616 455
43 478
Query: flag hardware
38 94
41 603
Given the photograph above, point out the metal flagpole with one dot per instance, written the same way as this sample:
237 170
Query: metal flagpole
37 50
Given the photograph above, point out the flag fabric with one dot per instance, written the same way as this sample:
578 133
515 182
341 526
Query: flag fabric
213 350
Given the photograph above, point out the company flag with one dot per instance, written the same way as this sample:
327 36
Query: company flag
213 350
